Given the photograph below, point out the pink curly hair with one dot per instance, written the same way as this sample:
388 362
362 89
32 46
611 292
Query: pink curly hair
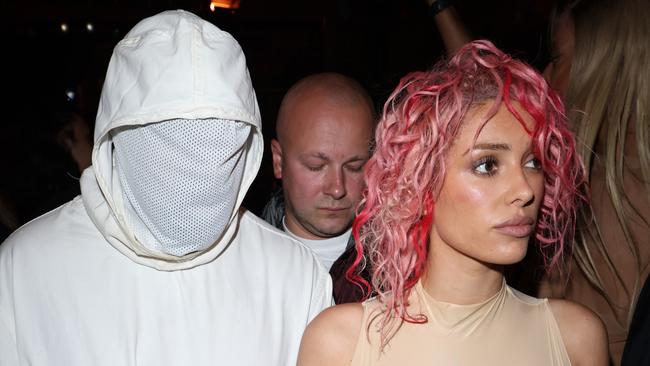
420 121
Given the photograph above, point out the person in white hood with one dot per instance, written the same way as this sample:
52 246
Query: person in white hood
156 263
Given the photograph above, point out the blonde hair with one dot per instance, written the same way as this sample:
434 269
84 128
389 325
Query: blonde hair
608 94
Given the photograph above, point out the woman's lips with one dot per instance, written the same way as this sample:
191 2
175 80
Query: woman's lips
518 231
518 226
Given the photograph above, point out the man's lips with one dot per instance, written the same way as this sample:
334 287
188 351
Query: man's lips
518 226
333 209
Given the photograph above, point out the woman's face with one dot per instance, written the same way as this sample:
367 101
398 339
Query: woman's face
487 207
558 70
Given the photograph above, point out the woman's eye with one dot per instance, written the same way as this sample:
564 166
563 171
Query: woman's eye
486 166
534 163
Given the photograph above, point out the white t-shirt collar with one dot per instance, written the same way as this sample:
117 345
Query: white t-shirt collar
327 250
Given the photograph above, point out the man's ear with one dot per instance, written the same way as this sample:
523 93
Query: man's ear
276 150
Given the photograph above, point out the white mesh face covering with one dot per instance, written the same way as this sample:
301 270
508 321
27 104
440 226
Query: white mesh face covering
180 180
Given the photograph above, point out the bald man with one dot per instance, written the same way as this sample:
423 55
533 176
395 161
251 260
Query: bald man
324 128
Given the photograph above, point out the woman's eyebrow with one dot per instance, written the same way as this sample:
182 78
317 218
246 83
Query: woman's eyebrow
490 146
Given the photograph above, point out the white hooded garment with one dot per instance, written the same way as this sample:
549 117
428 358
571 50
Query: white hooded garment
77 288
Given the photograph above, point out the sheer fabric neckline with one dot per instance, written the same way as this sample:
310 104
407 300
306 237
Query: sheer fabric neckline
466 316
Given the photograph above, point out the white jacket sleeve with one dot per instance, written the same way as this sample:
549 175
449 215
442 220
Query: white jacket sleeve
8 347
8 351
322 297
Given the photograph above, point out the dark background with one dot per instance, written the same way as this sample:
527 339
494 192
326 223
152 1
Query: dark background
375 42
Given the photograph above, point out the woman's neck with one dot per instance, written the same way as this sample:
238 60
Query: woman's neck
453 277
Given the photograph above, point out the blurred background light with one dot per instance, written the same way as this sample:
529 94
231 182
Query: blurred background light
70 95
224 4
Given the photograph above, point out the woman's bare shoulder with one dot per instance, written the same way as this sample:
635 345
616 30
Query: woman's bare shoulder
331 338
583 333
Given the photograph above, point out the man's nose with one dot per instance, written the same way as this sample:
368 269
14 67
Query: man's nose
335 184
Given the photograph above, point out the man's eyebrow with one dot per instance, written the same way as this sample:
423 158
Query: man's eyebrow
358 158
318 155
322 156
490 146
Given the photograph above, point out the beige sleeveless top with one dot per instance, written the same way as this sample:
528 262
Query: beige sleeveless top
510 328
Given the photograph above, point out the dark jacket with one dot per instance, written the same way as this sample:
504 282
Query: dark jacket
344 290
636 350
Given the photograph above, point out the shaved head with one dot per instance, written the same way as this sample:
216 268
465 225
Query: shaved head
331 88
324 128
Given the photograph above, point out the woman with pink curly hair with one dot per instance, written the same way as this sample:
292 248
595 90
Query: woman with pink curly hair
473 163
